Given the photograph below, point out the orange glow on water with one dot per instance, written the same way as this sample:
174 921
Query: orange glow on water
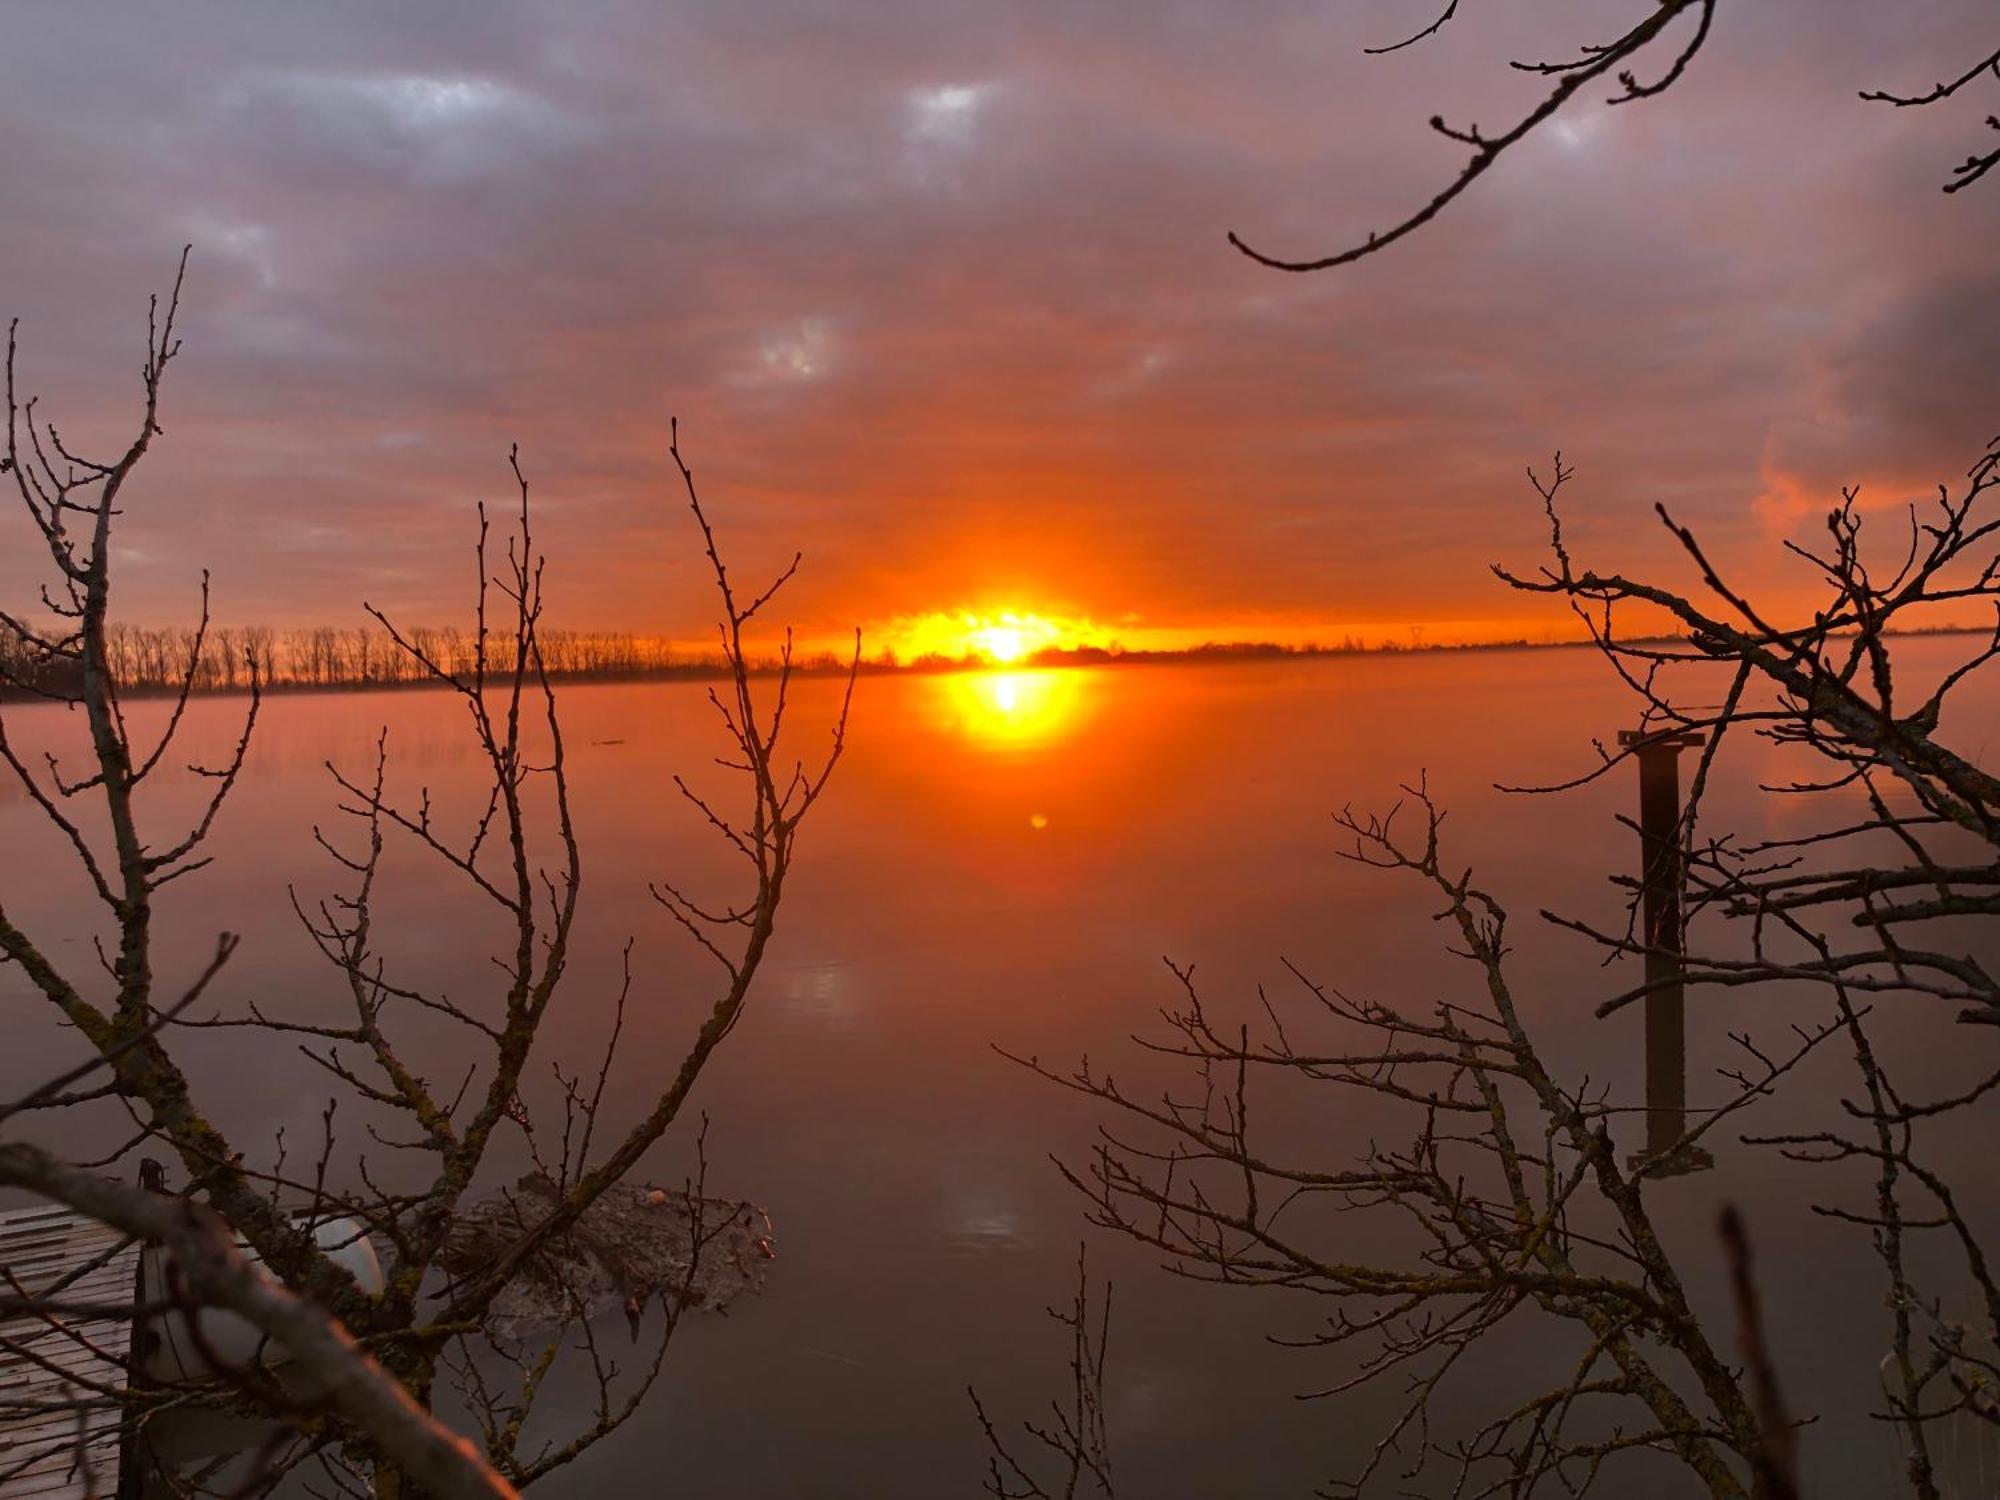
1013 710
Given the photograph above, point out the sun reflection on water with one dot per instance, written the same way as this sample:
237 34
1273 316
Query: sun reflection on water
1012 710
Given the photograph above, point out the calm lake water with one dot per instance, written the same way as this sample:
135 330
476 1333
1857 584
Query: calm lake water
1006 860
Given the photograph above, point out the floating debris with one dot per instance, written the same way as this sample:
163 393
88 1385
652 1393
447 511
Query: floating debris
633 1247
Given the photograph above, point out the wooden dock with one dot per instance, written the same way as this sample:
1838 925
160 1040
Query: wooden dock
59 1417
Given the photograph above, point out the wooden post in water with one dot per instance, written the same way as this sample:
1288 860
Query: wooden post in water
1662 873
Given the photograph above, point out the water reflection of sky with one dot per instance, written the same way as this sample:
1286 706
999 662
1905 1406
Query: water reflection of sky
823 991
1030 709
921 1227
982 1219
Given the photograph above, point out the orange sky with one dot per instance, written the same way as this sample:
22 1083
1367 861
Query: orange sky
940 295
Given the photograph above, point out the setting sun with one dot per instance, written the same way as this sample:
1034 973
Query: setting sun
999 637
1004 643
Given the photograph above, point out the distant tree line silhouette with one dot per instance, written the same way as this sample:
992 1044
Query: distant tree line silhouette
222 659
148 659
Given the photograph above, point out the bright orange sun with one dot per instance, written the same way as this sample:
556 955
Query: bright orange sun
999 637
1004 643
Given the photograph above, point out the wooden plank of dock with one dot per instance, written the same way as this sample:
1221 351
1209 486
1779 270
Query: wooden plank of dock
59 1416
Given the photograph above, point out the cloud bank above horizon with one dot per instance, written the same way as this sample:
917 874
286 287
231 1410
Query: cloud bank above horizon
940 296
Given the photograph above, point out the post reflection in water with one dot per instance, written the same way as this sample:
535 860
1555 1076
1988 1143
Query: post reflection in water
1014 710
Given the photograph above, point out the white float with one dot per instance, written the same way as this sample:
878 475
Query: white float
209 1342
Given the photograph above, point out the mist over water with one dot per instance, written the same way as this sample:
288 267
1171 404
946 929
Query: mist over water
1005 860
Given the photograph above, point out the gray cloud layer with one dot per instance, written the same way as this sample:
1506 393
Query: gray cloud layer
940 294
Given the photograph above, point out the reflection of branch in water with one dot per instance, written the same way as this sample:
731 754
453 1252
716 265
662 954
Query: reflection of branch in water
1510 1181
1073 1439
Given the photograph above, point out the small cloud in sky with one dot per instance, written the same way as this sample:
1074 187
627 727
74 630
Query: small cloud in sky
450 125
290 335
806 350
1137 372
949 112
1576 131
248 245
942 124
